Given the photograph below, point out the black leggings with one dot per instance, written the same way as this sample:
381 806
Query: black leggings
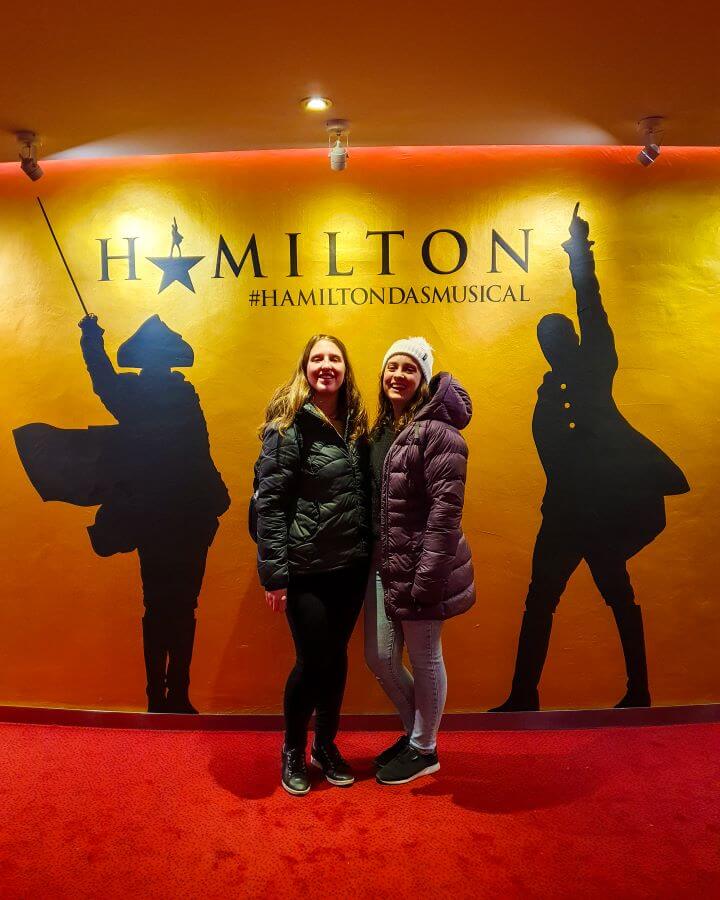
322 610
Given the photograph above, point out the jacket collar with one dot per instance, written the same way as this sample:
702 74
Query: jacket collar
310 409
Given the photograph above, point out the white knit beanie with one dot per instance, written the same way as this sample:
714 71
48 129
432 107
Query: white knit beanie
418 348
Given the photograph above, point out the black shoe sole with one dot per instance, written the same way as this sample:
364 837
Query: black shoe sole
428 770
314 762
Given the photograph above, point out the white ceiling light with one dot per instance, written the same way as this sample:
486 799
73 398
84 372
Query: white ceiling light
316 104
28 141
337 132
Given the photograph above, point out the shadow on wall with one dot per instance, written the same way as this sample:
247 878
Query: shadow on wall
156 485
606 484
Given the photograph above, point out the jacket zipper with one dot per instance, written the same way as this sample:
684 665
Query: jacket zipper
384 530
351 459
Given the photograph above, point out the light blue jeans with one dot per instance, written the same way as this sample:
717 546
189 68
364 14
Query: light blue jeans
420 697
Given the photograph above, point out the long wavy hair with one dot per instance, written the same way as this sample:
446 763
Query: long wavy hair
290 397
386 415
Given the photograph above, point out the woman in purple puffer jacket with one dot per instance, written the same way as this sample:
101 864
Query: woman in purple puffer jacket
421 570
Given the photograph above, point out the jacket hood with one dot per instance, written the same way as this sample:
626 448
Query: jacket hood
449 402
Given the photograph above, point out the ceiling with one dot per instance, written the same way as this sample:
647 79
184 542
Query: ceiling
98 79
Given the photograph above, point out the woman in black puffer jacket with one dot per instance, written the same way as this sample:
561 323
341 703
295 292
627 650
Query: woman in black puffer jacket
313 537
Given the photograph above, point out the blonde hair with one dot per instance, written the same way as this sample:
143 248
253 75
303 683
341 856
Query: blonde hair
386 415
290 397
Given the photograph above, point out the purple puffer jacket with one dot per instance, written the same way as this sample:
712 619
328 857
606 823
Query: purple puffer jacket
427 569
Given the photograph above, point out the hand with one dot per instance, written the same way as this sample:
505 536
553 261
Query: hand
277 600
579 230
89 325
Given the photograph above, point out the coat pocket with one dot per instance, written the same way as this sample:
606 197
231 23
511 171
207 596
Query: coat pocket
306 522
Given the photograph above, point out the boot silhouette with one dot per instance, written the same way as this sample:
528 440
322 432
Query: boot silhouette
532 651
155 653
181 636
632 637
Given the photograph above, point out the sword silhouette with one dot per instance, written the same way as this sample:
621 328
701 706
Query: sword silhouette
62 257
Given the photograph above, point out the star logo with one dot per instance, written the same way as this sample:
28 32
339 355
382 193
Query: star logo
175 268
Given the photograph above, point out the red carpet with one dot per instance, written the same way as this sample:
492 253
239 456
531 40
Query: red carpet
613 813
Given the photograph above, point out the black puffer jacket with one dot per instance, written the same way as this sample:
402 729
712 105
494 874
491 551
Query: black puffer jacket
312 501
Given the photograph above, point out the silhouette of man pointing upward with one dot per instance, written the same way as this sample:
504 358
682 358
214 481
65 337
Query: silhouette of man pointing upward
606 484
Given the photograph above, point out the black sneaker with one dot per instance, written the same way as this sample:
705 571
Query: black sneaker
295 778
382 759
408 765
336 770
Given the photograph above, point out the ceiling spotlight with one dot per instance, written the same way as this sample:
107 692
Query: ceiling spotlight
316 104
338 151
651 130
27 141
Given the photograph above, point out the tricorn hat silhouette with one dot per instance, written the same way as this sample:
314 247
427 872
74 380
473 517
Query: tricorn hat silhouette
154 344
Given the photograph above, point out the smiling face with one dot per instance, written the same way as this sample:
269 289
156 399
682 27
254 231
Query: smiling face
401 379
325 368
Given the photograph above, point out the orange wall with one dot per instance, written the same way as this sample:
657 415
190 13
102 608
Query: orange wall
70 621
